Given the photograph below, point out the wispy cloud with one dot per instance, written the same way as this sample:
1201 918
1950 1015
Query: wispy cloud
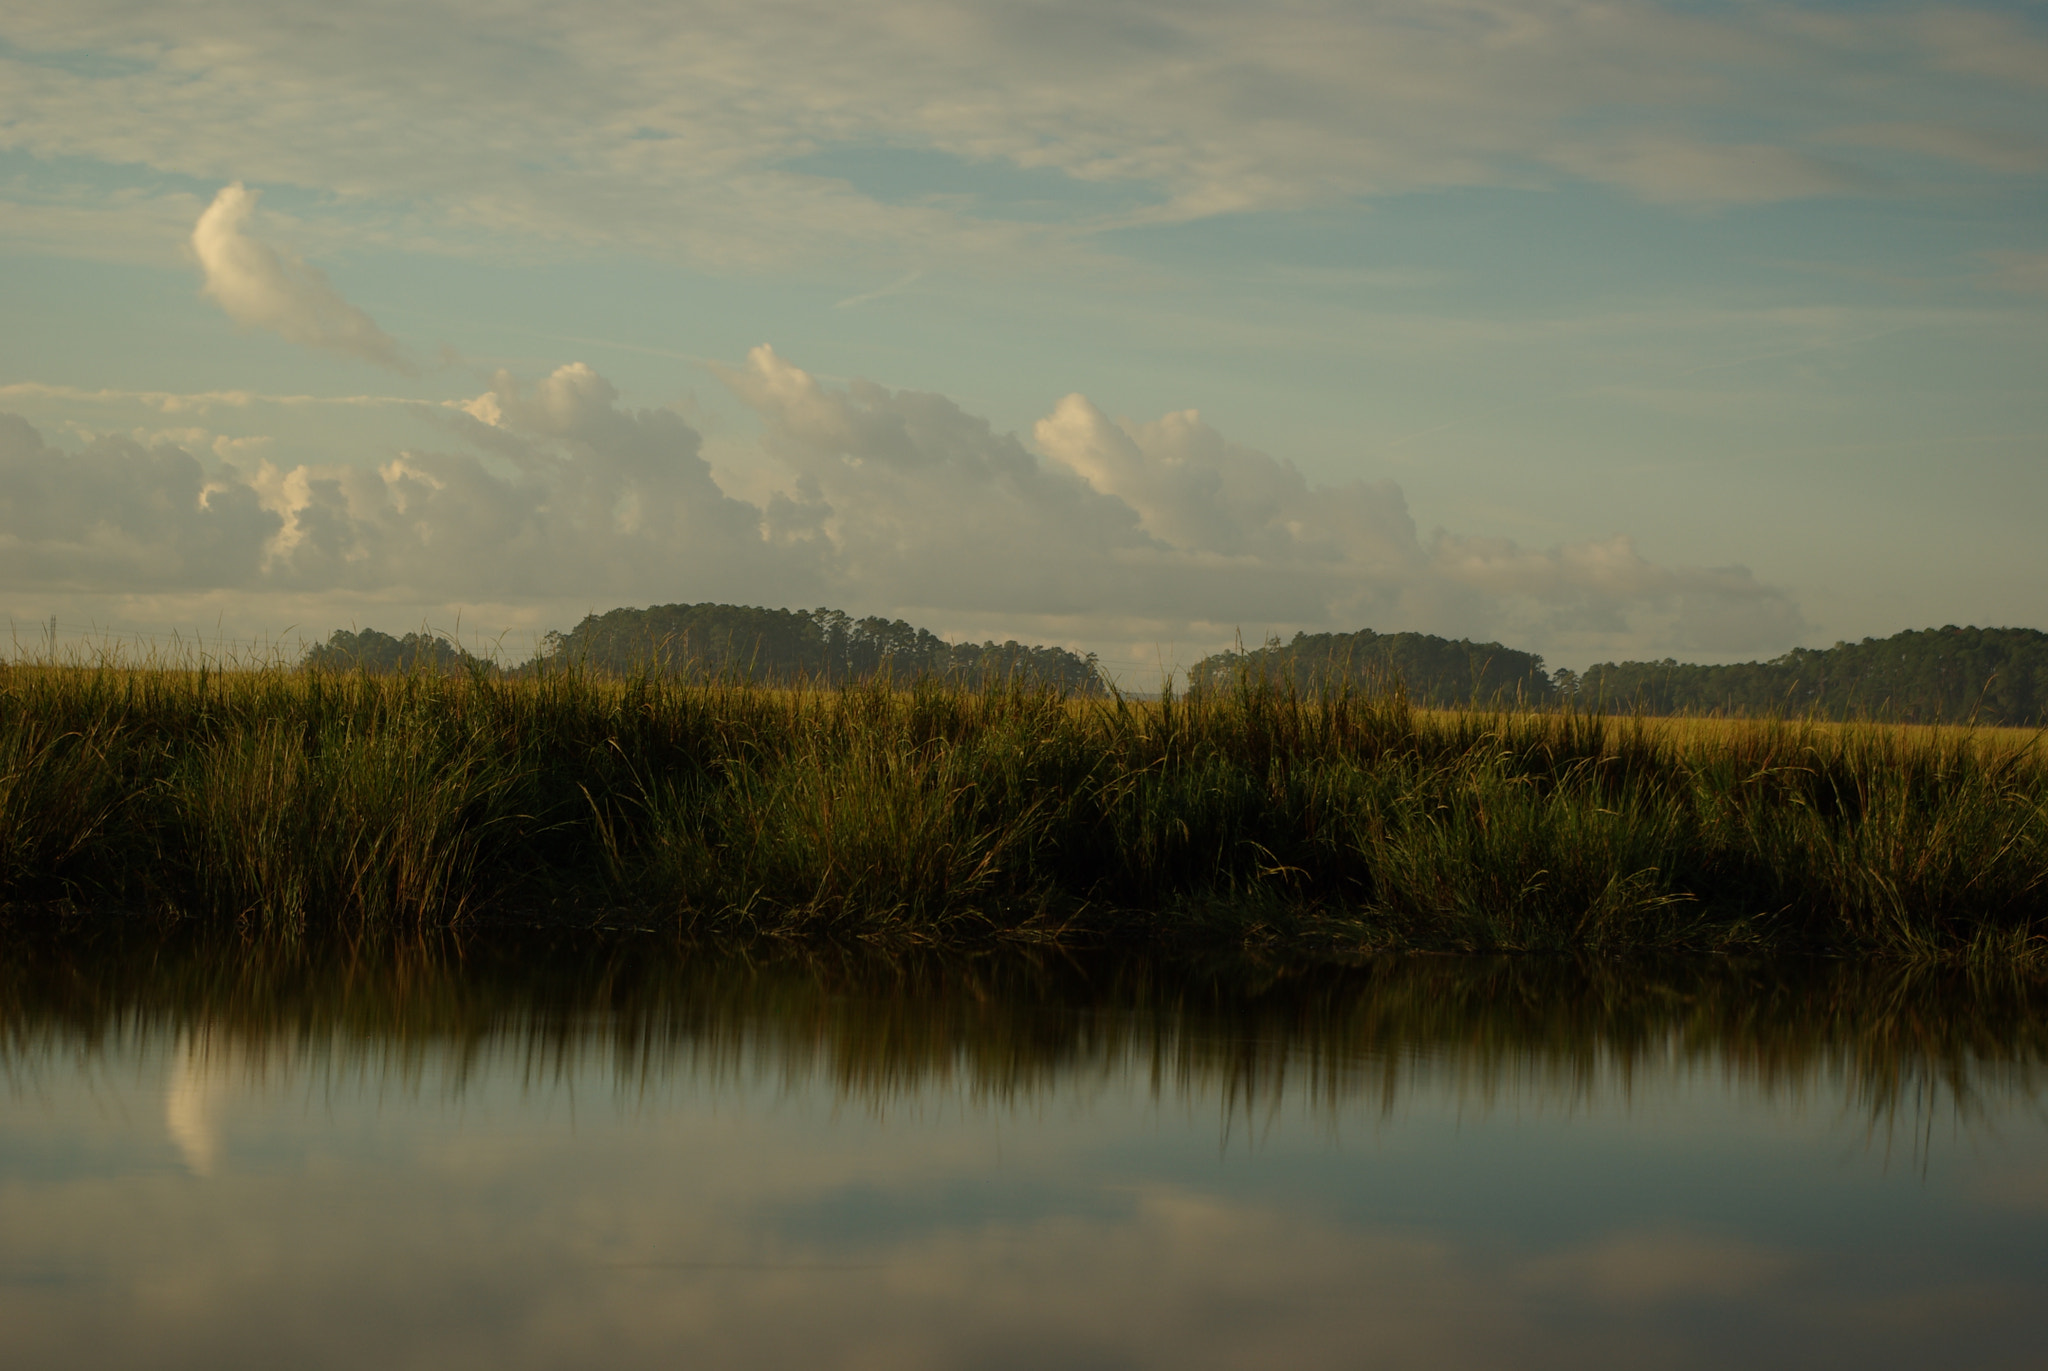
191 402
2024 271
893 288
2019 152
259 286
710 132
1800 350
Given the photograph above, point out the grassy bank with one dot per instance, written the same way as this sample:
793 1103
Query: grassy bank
281 798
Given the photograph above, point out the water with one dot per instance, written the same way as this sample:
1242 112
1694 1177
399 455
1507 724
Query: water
618 1152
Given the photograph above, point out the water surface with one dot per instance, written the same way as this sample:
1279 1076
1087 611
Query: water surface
618 1151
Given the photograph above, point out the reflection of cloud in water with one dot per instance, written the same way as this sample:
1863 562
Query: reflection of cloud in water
565 1259
747 1218
1632 1268
613 1155
190 1098
2013 1184
1183 1279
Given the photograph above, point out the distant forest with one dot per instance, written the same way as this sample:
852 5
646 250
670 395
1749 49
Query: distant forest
381 654
1434 671
1993 676
824 646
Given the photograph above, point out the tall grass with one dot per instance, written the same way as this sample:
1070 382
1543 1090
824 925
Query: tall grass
279 798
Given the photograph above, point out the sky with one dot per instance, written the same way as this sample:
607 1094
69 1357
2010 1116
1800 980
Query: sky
1607 329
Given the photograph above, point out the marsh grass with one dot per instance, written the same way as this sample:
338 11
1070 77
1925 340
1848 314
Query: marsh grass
370 826
278 799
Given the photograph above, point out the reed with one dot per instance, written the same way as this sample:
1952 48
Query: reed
280 798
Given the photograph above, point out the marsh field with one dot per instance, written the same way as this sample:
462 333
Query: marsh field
577 1019
1254 815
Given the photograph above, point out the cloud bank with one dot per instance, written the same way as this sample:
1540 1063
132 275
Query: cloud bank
260 287
715 131
1102 532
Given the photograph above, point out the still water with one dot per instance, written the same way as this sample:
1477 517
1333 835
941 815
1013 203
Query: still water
614 1151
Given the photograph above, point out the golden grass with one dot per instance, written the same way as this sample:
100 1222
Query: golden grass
1688 731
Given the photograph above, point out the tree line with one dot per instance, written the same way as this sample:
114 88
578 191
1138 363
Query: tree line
1991 676
827 646
1437 672
380 654
745 642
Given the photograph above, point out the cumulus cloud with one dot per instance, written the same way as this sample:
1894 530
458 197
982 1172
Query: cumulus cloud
1598 585
263 288
1102 532
120 515
559 492
1350 554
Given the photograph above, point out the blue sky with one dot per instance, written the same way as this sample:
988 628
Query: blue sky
1604 329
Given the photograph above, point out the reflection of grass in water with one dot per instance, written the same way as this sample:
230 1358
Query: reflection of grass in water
1901 1043
280 799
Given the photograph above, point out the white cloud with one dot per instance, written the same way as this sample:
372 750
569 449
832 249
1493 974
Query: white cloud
263 288
1107 533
